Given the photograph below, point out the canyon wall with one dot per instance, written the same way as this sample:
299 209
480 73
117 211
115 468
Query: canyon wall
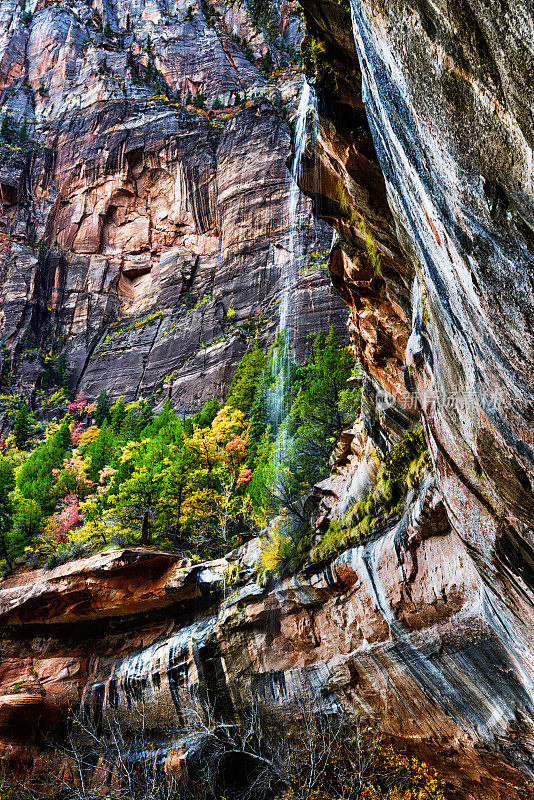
142 238
424 169
446 329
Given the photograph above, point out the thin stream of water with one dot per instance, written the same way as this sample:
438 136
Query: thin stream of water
306 119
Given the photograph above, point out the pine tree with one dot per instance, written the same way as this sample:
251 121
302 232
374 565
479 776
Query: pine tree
199 100
118 414
145 418
63 436
108 33
245 380
22 428
102 413
100 451
189 98
217 103
128 427
27 525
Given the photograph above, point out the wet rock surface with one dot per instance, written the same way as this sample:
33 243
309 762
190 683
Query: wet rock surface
445 328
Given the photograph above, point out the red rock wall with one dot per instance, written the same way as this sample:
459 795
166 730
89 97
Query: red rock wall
145 208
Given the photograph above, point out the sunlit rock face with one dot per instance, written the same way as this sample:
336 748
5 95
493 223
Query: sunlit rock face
133 226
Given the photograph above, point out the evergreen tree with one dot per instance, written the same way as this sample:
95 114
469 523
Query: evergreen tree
128 22
217 105
202 418
34 478
128 427
176 479
63 436
199 100
141 491
100 451
327 371
108 33
21 431
189 98
259 416
27 525
6 131
165 426
102 413
245 380
145 418
118 415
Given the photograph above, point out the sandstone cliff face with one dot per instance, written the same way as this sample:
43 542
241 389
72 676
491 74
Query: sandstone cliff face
450 116
397 629
428 629
132 225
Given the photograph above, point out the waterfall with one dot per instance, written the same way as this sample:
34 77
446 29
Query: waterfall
279 402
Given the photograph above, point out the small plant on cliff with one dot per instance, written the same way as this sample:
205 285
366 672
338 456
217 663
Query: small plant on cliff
316 61
189 13
400 473
345 205
370 248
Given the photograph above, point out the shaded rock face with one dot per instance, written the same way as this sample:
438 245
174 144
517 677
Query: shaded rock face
464 208
445 94
136 225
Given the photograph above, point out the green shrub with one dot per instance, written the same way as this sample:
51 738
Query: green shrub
401 472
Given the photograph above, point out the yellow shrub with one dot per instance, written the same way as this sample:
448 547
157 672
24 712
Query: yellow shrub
88 436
